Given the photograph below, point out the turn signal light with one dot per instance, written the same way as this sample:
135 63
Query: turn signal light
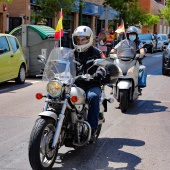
39 96
74 99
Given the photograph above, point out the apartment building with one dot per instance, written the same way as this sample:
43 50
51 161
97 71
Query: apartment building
19 12
153 7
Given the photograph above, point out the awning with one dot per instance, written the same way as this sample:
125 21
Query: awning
109 14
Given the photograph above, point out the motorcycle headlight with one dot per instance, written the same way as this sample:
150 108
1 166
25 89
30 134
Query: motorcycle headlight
131 70
54 88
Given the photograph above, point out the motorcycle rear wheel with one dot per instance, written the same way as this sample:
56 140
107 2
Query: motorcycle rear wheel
124 101
41 155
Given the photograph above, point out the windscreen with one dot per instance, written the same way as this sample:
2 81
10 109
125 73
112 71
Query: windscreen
60 65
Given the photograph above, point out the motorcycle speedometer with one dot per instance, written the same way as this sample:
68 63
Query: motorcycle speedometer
54 88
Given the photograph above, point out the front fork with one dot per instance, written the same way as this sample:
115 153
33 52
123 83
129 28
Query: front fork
59 124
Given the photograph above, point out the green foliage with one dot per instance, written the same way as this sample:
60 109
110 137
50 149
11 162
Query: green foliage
165 12
150 20
130 10
6 1
49 8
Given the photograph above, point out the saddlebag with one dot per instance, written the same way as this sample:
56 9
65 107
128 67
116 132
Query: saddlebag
112 74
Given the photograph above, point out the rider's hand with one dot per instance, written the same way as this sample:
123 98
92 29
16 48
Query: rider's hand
100 73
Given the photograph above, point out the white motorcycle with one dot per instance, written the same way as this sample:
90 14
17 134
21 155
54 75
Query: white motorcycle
64 117
126 89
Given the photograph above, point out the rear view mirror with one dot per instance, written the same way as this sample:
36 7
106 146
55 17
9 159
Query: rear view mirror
100 62
41 59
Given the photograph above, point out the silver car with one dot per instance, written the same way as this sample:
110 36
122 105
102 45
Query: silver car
160 44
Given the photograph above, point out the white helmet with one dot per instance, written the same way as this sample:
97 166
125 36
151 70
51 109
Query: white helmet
82 31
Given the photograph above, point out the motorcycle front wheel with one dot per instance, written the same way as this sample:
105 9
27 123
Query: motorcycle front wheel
41 155
124 101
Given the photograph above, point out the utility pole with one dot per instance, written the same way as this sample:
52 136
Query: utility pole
80 11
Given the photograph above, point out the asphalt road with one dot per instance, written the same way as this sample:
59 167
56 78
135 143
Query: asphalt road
137 140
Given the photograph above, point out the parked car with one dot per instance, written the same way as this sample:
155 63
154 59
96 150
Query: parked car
148 38
160 44
12 59
165 39
166 61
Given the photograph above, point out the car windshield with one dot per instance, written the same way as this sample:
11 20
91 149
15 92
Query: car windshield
145 36
164 37
60 65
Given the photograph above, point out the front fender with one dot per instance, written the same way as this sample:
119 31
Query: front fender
49 114
124 84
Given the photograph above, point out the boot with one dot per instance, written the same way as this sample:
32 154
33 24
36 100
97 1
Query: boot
93 136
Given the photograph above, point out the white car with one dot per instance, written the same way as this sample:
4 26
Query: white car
160 44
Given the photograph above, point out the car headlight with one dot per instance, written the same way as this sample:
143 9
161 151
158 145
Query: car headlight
54 88
131 70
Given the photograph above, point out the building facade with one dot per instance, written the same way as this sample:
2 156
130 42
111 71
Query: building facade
153 7
19 12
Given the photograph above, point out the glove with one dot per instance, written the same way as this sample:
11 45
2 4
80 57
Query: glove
100 73
140 56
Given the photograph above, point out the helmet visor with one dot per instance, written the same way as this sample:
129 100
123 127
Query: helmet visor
81 40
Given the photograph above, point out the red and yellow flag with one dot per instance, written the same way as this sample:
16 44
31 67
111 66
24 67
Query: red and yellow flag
59 28
121 28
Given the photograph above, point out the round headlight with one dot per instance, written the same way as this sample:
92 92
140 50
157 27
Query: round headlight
54 88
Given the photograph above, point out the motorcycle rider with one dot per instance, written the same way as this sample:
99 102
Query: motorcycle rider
85 53
130 45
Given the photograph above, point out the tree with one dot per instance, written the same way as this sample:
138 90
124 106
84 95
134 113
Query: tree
49 8
165 12
6 1
130 11
150 20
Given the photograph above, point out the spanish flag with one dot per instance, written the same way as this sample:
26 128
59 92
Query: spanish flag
121 28
59 28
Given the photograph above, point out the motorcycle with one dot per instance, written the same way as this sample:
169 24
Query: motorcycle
63 120
126 89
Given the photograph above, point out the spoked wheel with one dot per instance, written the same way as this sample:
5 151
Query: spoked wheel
124 100
41 155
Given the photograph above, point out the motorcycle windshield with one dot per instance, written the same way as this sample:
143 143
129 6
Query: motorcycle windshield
126 50
60 65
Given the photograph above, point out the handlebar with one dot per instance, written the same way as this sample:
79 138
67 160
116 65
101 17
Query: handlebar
86 77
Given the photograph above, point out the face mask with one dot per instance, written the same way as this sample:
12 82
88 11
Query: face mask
132 37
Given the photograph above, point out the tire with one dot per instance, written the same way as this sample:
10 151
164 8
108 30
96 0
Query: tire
124 101
164 71
41 155
152 50
21 75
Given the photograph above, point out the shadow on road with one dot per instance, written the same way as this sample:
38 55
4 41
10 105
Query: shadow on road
105 154
146 107
12 86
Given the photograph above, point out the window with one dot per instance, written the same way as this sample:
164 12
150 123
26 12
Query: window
4 46
14 44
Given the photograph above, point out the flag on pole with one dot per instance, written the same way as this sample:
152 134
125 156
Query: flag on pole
121 28
59 28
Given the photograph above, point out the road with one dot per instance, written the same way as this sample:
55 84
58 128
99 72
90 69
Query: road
137 140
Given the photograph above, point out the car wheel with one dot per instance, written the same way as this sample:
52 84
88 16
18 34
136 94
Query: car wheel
152 50
164 71
21 75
